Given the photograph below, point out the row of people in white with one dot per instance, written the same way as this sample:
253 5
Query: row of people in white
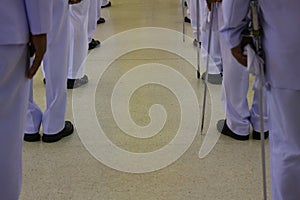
235 83
84 16
64 61
215 59
47 26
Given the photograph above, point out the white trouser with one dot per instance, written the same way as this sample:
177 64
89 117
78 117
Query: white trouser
55 65
284 112
193 14
215 61
235 88
99 8
79 39
92 19
215 64
14 90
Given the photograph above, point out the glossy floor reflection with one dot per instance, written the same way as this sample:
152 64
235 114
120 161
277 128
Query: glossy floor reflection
68 170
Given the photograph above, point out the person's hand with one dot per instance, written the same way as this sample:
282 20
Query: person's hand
39 44
208 2
74 1
238 51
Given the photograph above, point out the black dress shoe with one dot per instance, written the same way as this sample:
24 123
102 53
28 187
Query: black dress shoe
68 130
215 79
107 5
75 83
101 20
93 44
225 130
44 81
187 20
35 137
185 4
256 135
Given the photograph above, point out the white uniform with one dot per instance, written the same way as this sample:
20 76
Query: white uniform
55 65
215 67
282 49
17 19
79 14
92 19
100 2
235 87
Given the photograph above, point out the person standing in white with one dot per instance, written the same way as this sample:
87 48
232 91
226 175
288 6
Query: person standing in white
100 20
55 66
21 21
235 85
215 63
102 4
92 24
79 14
192 5
281 44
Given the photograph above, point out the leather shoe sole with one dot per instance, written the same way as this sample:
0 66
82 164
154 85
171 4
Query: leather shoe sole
94 43
225 130
256 135
101 20
68 130
35 137
187 20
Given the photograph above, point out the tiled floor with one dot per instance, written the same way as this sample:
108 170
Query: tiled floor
148 159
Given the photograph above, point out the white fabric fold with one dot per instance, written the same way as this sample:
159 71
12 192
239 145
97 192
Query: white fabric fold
254 63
